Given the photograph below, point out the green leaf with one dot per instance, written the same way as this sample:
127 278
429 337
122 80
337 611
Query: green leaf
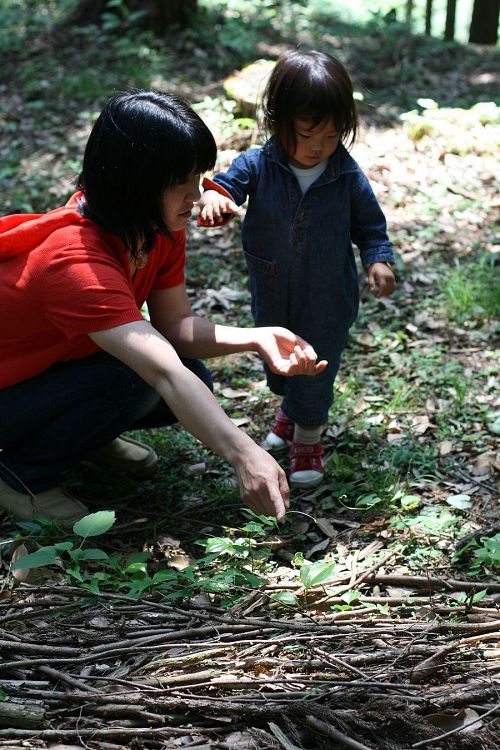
409 502
93 554
74 573
137 557
40 558
493 422
316 573
285 597
459 501
479 596
165 575
351 596
368 501
254 528
138 568
95 523
3 695
63 546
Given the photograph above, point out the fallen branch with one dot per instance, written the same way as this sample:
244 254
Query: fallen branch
324 728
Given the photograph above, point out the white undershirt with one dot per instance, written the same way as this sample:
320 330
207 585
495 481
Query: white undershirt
307 176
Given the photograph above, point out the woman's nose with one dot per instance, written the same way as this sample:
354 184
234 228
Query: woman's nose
195 193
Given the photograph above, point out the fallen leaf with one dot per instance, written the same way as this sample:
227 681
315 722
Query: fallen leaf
240 421
445 447
459 721
459 501
20 574
326 527
319 547
197 468
420 424
234 393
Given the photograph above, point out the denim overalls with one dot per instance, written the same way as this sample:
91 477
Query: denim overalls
300 259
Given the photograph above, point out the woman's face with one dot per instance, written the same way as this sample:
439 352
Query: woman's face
178 202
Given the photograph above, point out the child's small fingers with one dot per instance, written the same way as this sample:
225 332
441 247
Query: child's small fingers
320 366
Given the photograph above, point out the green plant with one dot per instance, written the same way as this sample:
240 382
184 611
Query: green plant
229 566
488 552
66 553
472 290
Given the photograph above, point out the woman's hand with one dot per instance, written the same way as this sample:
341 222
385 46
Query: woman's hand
262 483
212 207
286 353
381 280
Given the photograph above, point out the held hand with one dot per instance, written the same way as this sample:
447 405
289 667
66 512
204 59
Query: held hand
262 482
286 353
213 205
381 280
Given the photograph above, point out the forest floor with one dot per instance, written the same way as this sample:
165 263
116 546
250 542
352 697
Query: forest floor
371 617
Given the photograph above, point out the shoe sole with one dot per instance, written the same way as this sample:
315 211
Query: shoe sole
276 449
306 483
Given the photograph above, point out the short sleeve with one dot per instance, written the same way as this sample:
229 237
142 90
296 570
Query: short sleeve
84 290
172 266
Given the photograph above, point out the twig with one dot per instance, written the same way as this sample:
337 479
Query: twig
324 728
432 583
361 578
281 737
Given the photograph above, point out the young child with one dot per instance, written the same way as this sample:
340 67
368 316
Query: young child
308 200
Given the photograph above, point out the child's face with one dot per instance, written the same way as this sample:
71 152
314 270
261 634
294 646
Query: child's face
313 143
178 202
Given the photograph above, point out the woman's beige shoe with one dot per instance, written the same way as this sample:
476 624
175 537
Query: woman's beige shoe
126 456
54 503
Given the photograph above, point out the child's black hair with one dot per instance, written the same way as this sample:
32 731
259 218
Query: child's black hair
308 85
141 143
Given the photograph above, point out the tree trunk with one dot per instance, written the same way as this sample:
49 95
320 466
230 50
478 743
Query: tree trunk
409 11
428 17
451 11
484 23
159 14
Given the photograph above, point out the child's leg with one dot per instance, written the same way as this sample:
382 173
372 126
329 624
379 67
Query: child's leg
306 457
280 436
308 400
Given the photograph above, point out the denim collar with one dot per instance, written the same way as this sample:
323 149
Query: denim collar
339 162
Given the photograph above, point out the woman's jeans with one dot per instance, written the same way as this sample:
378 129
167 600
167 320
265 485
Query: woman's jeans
50 422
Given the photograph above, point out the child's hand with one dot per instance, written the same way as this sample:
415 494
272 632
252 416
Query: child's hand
286 353
381 280
213 205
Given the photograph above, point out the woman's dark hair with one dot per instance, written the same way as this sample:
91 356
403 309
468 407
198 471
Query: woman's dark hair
308 85
141 143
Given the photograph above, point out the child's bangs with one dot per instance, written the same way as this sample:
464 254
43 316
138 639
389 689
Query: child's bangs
321 104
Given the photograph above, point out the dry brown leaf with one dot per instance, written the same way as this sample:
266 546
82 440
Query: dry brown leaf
445 447
326 527
461 720
234 393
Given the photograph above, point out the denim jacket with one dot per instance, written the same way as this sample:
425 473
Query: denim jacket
298 247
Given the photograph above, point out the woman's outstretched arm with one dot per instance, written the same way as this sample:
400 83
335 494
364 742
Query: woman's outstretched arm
262 482
282 350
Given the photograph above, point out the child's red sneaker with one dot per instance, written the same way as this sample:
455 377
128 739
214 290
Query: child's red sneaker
281 434
306 465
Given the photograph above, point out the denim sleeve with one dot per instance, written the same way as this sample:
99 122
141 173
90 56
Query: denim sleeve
238 179
368 225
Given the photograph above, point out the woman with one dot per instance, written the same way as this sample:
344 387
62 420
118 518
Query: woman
80 363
